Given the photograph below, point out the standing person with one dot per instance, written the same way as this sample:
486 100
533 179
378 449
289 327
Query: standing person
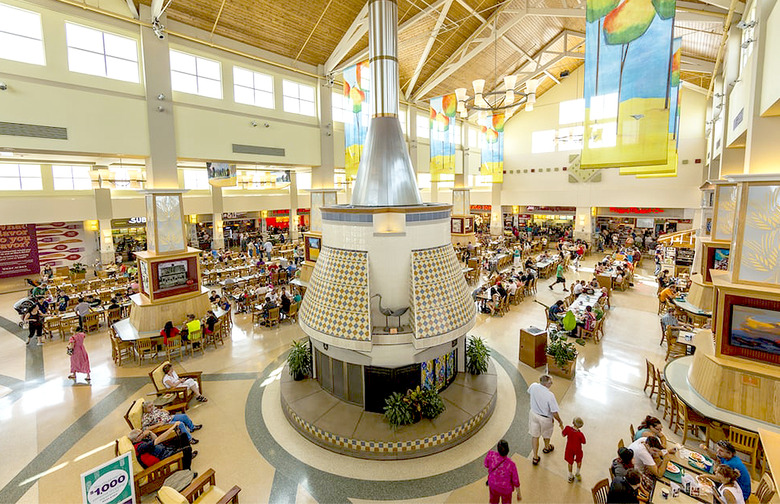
34 319
574 441
79 360
502 475
559 278
268 247
544 408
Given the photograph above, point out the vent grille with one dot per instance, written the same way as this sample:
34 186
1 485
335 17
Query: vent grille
259 151
33 130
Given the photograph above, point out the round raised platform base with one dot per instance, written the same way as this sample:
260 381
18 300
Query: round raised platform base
348 429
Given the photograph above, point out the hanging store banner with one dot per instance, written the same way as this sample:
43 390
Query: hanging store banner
493 148
221 174
669 169
62 244
443 135
628 48
18 250
356 116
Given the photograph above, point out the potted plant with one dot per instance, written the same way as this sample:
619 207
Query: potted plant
398 411
561 355
78 271
299 360
409 408
477 355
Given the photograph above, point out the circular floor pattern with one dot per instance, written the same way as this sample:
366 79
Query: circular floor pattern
301 462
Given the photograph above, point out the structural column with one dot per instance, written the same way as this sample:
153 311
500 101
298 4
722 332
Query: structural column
496 219
104 213
461 179
583 224
293 206
217 207
322 176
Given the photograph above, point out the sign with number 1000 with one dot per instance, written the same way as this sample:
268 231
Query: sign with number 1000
110 483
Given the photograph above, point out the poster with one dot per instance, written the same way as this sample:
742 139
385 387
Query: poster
443 135
356 116
221 174
109 483
628 48
63 244
18 250
493 148
171 274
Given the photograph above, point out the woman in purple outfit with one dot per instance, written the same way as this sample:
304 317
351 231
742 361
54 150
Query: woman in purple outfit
79 360
502 475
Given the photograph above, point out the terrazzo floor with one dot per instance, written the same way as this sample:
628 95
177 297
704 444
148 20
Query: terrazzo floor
53 429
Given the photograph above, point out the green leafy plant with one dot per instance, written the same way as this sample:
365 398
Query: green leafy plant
77 268
398 410
560 349
432 403
477 355
299 359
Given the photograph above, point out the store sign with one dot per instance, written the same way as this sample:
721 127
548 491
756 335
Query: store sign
280 213
480 208
552 209
304 211
109 483
634 210
131 222
18 250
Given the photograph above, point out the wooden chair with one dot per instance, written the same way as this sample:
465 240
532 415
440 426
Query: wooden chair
119 348
196 337
135 413
51 324
650 378
257 316
674 349
621 443
113 315
633 432
765 491
202 490
151 479
691 421
173 347
92 321
670 406
600 491
273 317
145 347
292 315
183 394
745 442
660 395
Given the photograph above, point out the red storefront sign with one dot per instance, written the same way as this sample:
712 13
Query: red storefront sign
634 210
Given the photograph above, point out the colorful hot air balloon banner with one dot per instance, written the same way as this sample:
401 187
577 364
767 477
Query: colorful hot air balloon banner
356 95
628 48
669 169
443 135
493 148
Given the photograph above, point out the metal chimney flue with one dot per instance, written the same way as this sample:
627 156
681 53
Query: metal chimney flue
385 176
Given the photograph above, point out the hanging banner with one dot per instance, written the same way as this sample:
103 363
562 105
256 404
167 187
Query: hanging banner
62 244
628 48
18 250
669 169
443 135
356 95
493 148
221 174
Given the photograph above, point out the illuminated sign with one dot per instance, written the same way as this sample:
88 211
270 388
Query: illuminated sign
635 210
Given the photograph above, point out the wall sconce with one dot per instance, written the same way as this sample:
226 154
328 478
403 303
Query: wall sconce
264 214
515 209
91 225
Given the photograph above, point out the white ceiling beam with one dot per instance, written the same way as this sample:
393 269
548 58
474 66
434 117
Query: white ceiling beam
465 52
471 10
354 33
363 55
428 46
693 64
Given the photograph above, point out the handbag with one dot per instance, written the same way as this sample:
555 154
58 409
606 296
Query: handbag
491 470
69 350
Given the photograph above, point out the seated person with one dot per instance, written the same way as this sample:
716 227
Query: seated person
213 297
623 463
625 489
113 303
588 319
154 417
92 301
286 302
651 426
667 294
268 305
62 301
209 322
297 297
511 287
151 448
664 280
650 456
726 454
670 320
169 331
578 288
495 299
171 380
556 311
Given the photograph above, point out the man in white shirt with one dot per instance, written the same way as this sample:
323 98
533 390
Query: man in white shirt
577 290
269 247
544 408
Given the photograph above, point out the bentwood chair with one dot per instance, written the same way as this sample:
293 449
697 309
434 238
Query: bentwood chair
600 491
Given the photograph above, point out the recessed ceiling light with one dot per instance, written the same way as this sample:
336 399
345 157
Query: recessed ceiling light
6 154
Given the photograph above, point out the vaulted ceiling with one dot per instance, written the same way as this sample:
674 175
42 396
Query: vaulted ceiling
443 44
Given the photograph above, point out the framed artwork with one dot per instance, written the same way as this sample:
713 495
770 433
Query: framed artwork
751 328
457 225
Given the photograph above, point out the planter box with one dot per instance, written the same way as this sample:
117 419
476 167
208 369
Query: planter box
78 276
567 372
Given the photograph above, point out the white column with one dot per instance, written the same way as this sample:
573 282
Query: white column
583 224
104 213
461 179
293 206
217 207
496 218
322 176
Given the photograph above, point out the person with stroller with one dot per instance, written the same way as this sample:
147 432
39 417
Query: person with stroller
34 319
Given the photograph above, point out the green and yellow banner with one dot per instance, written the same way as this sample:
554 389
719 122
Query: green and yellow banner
443 135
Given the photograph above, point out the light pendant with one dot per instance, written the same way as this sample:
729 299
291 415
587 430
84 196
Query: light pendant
479 86
460 93
461 106
509 82
510 97
464 114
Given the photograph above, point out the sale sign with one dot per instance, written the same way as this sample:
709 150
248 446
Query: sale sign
18 250
110 483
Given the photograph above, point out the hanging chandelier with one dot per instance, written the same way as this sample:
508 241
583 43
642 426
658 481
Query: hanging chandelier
496 101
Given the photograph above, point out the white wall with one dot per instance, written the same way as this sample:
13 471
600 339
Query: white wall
553 188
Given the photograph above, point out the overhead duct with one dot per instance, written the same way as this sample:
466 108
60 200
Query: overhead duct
385 176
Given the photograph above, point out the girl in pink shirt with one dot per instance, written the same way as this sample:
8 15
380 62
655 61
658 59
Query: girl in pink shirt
502 475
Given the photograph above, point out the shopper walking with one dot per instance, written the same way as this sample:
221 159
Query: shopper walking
544 409
502 475
34 319
79 360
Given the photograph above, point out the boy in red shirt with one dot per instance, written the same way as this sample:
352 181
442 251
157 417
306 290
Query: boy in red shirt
574 441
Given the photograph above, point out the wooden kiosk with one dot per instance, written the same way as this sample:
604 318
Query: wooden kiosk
169 271
461 220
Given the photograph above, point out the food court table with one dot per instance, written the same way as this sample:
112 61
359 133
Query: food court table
676 376
697 315
128 333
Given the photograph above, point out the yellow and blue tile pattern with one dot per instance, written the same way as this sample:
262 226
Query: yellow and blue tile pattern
337 300
440 297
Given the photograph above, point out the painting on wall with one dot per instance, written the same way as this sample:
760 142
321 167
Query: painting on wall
750 328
